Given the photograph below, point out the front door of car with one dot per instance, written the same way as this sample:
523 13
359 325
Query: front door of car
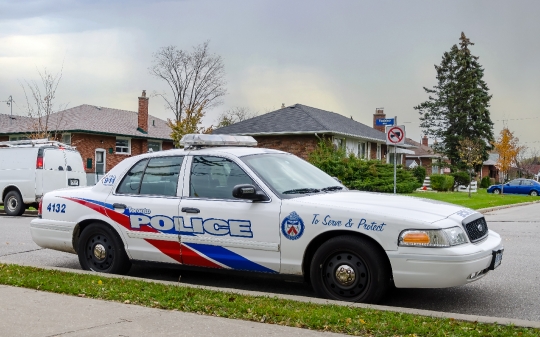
512 186
221 231
146 205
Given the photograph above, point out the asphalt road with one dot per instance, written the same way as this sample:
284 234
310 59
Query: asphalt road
511 291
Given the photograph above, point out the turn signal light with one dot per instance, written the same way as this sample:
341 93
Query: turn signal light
416 237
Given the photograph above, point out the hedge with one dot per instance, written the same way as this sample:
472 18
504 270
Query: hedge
442 182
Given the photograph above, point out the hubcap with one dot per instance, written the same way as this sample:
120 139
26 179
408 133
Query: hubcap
99 252
345 275
12 204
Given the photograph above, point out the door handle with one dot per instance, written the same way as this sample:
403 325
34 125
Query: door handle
191 210
122 206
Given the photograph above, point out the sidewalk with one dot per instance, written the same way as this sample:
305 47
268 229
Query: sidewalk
29 313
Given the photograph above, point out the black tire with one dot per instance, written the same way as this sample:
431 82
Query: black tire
363 261
13 204
496 191
533 193
98 239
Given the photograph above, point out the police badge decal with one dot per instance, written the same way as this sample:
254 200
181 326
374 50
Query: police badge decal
292 226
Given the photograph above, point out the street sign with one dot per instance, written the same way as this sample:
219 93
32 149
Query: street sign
395 135
384 121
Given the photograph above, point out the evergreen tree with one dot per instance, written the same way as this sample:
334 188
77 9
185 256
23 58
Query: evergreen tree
458 106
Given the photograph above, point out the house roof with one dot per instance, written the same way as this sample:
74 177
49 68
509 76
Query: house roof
422 151
492 159
302 119
91 119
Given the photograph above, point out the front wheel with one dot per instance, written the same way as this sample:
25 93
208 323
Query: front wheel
350 269
496 191
101 250
534 193
13 204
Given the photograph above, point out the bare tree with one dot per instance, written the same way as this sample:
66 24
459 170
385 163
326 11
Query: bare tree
470 152
196 78
234 115
40 105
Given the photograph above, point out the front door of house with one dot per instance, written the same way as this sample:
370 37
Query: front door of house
100 164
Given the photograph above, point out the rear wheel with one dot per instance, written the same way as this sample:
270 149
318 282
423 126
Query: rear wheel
102 250
534 193
496 191
13 204
350 269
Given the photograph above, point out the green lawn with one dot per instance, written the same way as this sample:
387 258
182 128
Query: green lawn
478 200
332 318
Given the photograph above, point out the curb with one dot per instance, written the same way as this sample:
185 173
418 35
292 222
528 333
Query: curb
496 208
421 312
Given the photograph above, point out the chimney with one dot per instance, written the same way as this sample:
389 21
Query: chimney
283 105
425 141
379 113
143 113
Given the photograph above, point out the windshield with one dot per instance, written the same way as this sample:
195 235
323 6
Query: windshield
289 176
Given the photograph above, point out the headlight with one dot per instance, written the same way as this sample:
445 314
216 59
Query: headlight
435 238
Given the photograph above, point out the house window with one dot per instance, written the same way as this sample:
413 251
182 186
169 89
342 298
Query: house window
339 143
66 138
379 151
361 150
13 138
123 145
154 146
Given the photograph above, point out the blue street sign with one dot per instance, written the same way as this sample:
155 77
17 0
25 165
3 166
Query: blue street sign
384 121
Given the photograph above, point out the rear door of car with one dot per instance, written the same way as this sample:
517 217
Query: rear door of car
147 200
54 170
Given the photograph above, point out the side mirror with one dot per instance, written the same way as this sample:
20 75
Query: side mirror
248 192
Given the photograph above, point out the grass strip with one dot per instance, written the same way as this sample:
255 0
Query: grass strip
340 319
480 199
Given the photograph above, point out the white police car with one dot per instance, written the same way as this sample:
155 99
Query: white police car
222 204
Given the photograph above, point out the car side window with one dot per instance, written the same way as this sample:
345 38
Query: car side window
215 177
527 183
514 182
132 180
161 176
157 176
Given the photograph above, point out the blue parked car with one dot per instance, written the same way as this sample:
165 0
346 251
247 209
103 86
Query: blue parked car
517 186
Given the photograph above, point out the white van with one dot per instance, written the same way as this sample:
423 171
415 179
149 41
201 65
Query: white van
31 168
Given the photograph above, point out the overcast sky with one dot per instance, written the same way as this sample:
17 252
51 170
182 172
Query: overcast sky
349 57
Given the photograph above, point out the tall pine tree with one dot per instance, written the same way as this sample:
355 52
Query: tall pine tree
458 106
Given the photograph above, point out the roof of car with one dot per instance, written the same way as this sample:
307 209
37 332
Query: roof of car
239 151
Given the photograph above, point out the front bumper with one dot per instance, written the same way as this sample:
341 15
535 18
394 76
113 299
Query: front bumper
442 267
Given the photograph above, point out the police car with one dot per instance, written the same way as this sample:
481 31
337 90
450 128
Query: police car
222 203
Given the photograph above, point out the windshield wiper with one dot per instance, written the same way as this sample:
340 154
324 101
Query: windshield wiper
302 191
332 188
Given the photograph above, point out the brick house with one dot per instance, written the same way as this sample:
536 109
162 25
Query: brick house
298 129
489 167
103 136
423 156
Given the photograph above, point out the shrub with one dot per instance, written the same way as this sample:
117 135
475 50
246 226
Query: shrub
420 173
364 175
441 182
461 178
485 182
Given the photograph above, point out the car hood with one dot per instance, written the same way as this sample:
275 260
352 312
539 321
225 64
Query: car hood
404 207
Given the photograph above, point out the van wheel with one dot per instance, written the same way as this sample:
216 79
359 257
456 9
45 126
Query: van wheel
350 269
13 204
102 250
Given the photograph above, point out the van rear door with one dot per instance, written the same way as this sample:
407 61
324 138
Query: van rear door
76 176
54 170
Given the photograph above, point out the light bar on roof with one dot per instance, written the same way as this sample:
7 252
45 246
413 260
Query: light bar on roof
194 140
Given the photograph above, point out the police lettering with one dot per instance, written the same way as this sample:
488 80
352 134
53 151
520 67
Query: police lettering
177 225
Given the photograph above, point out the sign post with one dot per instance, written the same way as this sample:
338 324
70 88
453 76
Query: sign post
395 135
